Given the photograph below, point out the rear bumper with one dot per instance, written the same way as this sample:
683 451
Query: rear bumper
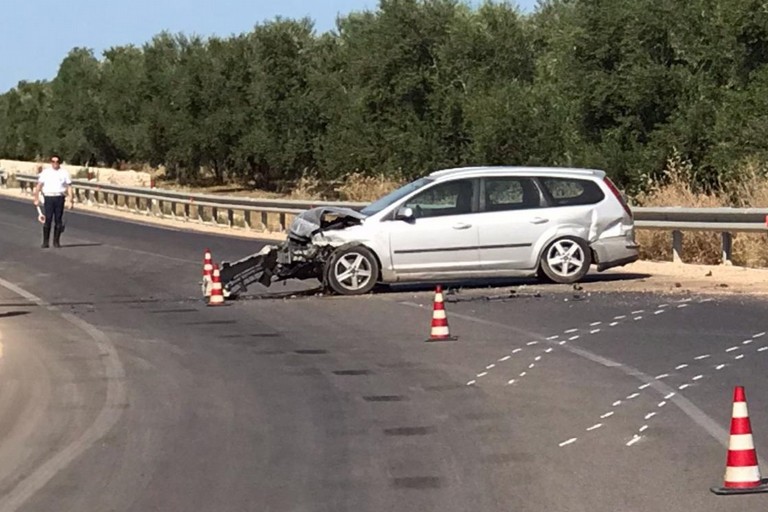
615 252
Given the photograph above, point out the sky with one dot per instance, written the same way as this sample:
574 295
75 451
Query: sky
36 35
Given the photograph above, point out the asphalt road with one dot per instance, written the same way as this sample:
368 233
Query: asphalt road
120 390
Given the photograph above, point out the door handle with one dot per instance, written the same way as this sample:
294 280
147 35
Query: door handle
539 220
462 226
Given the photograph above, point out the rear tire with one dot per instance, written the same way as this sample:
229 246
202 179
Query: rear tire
566 260
352 270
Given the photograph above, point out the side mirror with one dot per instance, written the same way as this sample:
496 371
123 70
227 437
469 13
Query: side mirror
405 213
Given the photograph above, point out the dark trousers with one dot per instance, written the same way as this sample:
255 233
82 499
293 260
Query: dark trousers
54 213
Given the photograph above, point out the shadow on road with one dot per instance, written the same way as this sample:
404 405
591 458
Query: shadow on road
470 284
259 292
80 245
10 314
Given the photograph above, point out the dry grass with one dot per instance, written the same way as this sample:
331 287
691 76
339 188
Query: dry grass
748 189
354 187
358 187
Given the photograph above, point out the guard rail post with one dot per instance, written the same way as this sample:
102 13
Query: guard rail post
677 246
727 252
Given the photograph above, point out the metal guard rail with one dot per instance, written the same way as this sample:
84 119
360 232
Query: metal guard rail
272 215
675 219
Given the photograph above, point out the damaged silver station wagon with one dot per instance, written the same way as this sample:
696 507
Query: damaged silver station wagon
475 222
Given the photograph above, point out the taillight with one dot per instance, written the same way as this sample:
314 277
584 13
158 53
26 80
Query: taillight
618 196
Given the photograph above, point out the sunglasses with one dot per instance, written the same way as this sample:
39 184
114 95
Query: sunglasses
55 161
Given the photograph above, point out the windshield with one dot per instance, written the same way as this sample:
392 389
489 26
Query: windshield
378 205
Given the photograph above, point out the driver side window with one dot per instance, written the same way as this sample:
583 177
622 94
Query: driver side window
448 198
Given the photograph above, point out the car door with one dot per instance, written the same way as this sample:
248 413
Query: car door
442 236
512 218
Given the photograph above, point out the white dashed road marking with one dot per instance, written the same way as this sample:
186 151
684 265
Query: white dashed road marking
694 379
686 406
670 395
532 343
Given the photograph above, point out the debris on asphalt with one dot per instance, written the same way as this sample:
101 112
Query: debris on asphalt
510 295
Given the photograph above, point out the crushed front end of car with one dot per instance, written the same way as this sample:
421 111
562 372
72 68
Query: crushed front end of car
303 255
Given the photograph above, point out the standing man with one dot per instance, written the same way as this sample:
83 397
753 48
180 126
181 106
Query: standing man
55 184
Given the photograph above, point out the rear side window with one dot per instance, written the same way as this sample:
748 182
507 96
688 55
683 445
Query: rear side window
573 192
504 193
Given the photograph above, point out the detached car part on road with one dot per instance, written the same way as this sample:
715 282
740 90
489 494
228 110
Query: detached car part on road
476 222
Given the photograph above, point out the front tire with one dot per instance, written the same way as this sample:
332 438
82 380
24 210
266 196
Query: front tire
566 260
352 270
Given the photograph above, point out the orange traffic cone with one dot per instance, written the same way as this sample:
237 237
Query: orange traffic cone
742 472
439 331
217 295
207 273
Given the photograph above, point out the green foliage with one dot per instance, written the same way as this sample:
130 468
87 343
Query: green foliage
417 85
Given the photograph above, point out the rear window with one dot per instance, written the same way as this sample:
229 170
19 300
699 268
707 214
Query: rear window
573 192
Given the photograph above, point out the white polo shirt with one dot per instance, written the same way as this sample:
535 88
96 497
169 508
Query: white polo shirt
54 181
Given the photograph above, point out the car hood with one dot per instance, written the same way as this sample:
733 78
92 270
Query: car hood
317 219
